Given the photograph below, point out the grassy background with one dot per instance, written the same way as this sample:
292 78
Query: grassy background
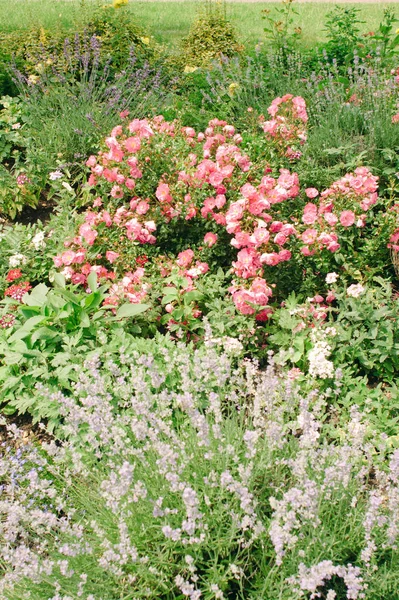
168 22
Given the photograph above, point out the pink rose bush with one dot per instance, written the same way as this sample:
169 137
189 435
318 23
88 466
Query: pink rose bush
155 179
287 127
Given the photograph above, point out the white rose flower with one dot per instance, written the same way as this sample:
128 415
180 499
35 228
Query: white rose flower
331 277
355 290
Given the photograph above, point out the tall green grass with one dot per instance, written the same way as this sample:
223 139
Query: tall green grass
168 22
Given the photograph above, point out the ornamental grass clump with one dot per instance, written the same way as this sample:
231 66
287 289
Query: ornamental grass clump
225 486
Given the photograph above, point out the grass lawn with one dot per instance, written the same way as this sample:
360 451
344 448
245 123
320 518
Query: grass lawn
168 22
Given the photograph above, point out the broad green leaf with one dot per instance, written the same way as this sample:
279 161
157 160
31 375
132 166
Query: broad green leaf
59 280
92 281
37 297
170 292
131 310
44 333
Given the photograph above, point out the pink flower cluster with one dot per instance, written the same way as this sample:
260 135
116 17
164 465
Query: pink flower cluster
393 215
131 287
287 128
153 173
357 190
253 300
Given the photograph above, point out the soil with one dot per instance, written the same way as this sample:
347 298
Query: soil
30 432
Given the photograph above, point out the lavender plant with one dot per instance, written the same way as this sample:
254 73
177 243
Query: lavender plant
71 104
222 487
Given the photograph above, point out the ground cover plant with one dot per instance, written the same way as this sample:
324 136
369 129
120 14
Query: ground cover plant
199 342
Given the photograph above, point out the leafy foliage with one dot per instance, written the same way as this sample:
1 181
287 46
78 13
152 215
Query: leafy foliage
211 36
54 330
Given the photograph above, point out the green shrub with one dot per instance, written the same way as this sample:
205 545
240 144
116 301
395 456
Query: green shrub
54 331
119 35
112 32
211 36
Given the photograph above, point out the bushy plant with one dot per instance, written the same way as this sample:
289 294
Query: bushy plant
119 35
45 334
281 31
114 32
63 117
211 36
343 32
225 486
18 182
347 338
169 201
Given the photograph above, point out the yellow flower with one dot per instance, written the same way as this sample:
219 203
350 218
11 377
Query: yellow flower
33 78
39 68
145 40
188 69
233 87
119 3
397 31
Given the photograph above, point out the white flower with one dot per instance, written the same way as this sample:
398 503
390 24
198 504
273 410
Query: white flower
38 240
16 260
355 290
16 126
229 344
56 175
331 277
331 331
67 272
319 366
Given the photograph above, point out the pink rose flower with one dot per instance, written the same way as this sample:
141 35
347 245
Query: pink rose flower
111 256
210 239
311 193
347 218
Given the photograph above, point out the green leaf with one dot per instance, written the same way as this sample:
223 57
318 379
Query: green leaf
59 280
92 281
171 292
192 296
131 310
84 320
32 322
37 297
43 333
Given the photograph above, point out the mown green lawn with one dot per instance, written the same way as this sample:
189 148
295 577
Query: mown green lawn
168 22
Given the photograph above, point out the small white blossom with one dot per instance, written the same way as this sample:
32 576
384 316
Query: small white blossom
38 240
331 277
16 260
319 366
56 175
355 290
331 331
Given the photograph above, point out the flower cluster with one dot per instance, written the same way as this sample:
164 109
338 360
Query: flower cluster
356 190
18 290
153 175
287 128
171 472
7 321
